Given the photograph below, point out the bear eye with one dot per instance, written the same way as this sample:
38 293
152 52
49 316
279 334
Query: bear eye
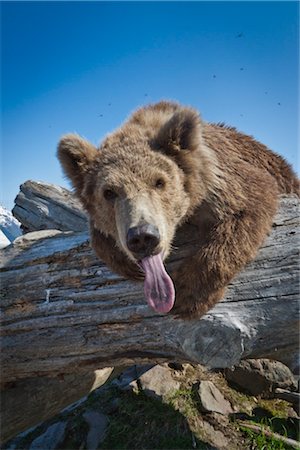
110 195
160 183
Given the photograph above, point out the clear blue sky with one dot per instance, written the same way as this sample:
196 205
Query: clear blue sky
84 66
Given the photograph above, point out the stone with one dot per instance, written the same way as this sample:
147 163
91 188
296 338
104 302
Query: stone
156 381
261 377
127 379
214 437
97 423
51 438
212 400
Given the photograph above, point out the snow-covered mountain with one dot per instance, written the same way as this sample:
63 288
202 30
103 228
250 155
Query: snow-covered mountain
9 227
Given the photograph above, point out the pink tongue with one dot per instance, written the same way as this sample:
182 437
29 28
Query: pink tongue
158 287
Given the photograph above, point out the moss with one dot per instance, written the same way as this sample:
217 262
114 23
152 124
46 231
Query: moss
183 400
276 407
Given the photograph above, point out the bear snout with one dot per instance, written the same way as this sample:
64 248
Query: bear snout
143 240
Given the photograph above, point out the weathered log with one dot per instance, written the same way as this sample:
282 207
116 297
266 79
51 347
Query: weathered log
45 206
64 312
291 397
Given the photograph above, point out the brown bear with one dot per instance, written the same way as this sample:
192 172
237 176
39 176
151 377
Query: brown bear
166 168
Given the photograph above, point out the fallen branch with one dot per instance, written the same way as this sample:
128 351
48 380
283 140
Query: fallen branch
262 429
288 396
64 313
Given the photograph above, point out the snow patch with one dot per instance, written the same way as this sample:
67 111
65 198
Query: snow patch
9 227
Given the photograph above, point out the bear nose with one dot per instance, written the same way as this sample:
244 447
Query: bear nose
143 239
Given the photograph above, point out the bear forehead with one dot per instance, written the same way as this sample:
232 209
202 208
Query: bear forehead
122 167
136 157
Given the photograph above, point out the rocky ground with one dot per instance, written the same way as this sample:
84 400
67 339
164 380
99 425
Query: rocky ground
178 407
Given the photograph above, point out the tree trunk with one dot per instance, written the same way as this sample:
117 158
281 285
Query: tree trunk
65 313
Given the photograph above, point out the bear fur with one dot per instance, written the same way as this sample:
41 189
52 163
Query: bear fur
164 169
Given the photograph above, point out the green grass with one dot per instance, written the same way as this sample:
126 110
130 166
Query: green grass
259 441
146 423
139 422
185 401
278 408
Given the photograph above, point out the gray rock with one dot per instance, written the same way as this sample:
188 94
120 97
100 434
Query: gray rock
261 377
214 437
127 379
51 439
97 427
155 381
212 400
44 206
158 381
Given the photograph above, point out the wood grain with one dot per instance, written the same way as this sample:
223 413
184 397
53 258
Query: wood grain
64 313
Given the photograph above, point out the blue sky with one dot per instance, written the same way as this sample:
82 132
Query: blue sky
84 66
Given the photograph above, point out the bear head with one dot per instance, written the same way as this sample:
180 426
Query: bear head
143 181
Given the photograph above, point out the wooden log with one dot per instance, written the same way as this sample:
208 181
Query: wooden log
44 206
65 312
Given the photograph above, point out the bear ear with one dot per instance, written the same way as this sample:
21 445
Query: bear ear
181 132
75 155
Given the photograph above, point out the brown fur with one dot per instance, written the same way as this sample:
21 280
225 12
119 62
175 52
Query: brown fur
167 167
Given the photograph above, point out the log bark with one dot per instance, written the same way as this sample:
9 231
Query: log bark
44 206
65 313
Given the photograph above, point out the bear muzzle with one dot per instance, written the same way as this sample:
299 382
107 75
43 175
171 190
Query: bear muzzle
143 240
